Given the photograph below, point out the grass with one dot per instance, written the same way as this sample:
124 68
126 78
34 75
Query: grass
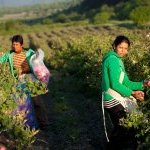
12 27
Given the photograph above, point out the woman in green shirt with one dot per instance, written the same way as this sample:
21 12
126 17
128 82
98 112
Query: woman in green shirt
116 86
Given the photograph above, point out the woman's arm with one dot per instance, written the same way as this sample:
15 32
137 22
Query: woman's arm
4 57
132 85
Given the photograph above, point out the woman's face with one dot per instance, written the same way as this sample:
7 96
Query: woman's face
17 47
122 49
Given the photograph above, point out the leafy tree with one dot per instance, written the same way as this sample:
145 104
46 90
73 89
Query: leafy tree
62 18
143 2
122 10
140 15
104 15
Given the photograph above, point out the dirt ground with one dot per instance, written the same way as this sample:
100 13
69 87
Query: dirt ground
76 121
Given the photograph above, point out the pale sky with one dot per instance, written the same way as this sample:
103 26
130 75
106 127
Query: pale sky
24 2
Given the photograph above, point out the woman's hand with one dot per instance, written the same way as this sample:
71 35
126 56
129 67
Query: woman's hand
138 95
146 83
1 53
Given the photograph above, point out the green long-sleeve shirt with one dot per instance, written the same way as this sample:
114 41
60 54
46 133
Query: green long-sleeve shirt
8 57
111 70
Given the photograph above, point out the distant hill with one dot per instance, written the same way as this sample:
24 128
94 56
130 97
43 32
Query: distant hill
65 11
84 9
32 9
87 5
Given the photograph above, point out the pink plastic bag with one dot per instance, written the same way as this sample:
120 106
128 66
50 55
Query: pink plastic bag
40 70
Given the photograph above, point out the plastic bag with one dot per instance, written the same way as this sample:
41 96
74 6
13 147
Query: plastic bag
30 116
39 69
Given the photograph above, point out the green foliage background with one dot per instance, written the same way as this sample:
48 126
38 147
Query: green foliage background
74 59
13 125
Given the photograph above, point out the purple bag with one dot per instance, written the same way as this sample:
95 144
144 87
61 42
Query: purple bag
25 105
30 116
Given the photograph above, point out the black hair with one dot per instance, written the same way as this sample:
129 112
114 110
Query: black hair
17 38
119 39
